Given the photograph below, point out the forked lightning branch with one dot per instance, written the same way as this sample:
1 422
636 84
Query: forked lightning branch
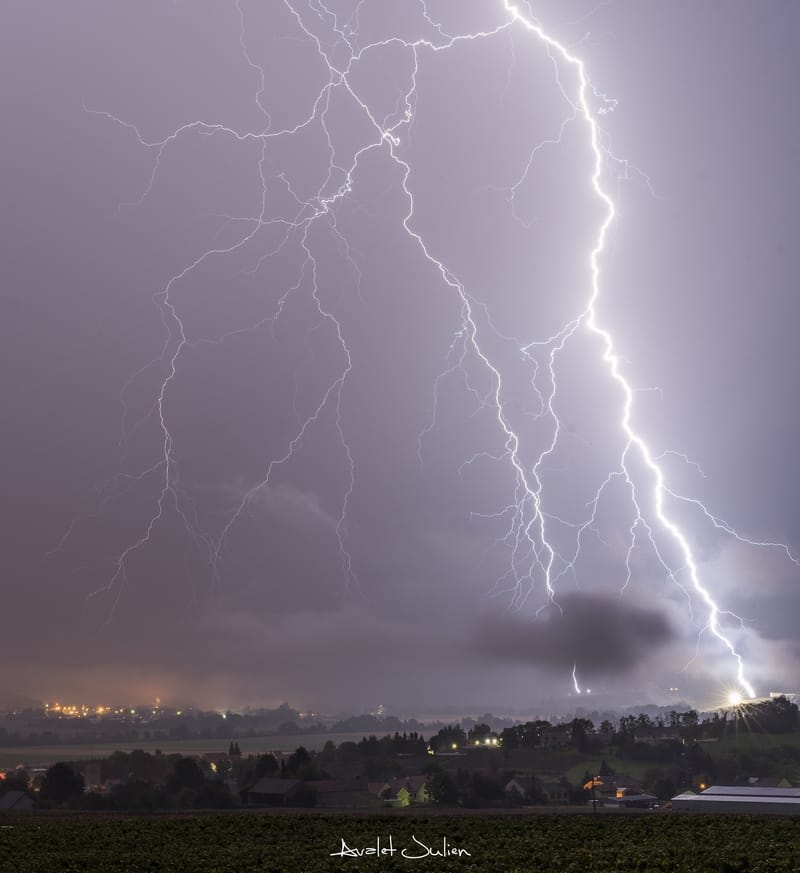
536 562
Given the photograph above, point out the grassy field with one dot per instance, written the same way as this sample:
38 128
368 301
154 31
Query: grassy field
307 843
12 756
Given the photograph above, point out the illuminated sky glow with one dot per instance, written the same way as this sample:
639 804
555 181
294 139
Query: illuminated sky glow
407 335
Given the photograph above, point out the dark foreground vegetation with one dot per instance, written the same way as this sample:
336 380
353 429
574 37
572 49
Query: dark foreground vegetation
240 842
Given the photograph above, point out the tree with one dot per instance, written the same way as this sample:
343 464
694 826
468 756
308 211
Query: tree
214 795
301 765
581 730
16 780
627 727
327 757
141 765
443 790
186 774
62 784
479 734
511 738
483 790
783 714
447 738
115 766
266 765
664 789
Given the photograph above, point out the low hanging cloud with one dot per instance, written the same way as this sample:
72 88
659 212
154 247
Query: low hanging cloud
599 633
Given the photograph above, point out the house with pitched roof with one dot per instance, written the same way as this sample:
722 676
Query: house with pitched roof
16 801
402 791
344 794
271 792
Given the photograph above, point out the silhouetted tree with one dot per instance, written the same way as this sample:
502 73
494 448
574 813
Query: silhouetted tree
214 795
62 784
447 737
186 774
301 765
664 789
443 790
581 729
479 734
266 765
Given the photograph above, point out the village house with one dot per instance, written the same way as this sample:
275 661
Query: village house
343 794
524 786
403 791
555 792
630 799
92 776
271 792
16 801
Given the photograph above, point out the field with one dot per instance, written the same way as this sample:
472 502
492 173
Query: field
533 843
12 756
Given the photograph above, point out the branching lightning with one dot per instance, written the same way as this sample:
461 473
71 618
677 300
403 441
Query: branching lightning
535 562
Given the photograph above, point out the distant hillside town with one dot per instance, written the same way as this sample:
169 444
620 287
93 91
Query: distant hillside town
636 761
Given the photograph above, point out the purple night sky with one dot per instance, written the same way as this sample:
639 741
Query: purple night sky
282 286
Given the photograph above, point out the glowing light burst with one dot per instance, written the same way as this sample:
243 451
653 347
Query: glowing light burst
734 698
535 561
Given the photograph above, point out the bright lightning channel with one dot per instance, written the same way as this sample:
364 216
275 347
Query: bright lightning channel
533 556
589 319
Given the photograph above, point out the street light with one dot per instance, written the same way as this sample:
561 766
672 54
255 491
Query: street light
594 782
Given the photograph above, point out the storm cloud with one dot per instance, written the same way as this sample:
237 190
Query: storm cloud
247 434
597 633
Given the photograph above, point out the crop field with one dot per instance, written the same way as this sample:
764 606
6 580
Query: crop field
238 843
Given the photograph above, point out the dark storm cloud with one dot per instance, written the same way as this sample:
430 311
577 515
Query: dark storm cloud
598 633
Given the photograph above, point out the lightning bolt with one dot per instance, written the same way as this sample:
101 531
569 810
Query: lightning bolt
535 559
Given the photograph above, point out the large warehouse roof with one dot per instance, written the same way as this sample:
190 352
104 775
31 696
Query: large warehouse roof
751 791
741 799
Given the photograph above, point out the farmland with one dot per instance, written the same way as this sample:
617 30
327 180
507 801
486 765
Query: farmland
45 755
533 843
